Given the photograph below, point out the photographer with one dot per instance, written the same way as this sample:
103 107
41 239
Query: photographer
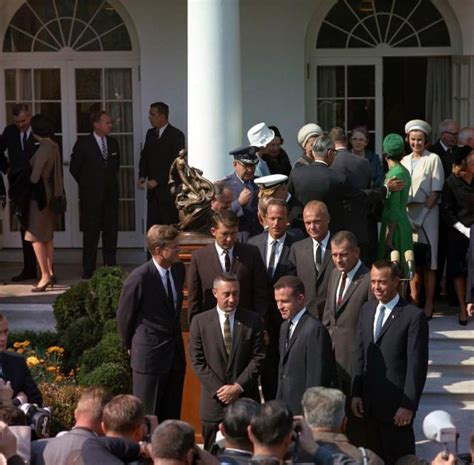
13 368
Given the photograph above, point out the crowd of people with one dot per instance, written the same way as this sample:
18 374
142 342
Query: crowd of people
296 308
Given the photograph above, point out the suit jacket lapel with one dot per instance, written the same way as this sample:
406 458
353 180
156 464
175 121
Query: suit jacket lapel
178 284
308 256
161 288
296 331
352 287
327 257
235 259
216 329
215 261
390 320
94 143
236 335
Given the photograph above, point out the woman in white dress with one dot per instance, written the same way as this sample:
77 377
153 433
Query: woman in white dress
427 179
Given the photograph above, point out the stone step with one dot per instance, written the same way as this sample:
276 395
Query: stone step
459 357
33 317
447 384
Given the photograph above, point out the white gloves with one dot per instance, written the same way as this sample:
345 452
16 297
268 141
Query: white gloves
463 229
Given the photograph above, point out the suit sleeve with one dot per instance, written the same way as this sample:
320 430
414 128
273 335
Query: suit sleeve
195 296
209 380
320 367
143 163
260 296
329 301
179 143
29 386
76 162
249 374
129 306
417 361
358 359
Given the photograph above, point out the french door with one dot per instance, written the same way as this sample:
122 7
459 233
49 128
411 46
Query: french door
68 92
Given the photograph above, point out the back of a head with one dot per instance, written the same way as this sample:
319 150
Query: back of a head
123 414
338 135
91 404
237 418
172 440
273 424
324 408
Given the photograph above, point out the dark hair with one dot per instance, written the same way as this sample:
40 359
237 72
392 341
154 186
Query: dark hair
381 264
96 115
42 126
12 416
225 277
362 130
277 203
342 236
226 218
172 439
237 417
123 414
162 108
293 282
20 108
273 423
276 131
219 188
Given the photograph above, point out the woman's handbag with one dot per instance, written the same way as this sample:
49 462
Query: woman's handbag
422 252
58 203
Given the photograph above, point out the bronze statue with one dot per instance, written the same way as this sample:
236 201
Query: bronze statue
193 193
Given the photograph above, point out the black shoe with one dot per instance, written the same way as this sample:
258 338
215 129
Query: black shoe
87 275
462 322
23 276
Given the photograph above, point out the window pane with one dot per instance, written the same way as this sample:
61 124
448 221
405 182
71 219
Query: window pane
122 116
361 113
126 215
47 84
330 81
83 114
127 186
126 149
53 111
330 37
88 41
118 39
361 81
18 84
88 84
10 84
331 113
118 84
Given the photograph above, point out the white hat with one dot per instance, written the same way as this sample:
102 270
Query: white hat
269 184
260 135
418 125
307 131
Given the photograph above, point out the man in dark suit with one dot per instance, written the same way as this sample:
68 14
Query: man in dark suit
311 257
162 145
226 351
18 140
306 357
444 147
245 191
149 324
226 254
274 247
13 370
95 165
389 366
348 290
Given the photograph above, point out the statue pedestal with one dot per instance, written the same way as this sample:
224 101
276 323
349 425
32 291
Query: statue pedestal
192 388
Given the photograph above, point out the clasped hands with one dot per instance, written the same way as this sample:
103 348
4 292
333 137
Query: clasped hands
150 184
402 417
228 393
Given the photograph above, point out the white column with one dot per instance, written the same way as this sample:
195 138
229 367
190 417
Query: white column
214 85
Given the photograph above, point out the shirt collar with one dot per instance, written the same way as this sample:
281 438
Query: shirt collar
352 273
220 250
321 161
162 129
160 269
445 147
280 240
222 314
324 242
288 197
391 304
298 316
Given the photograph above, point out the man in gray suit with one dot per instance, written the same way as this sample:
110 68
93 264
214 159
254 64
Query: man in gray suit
88 416
348 290
311 257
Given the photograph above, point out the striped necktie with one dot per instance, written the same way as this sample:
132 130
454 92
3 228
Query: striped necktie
227 335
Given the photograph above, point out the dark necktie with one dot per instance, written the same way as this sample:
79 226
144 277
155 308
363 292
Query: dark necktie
289 334
379 322
158 133
23 141
103 148
227 335
271 262
318 259
342 286
226 260
169 289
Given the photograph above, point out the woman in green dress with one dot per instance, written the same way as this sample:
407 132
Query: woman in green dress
396 231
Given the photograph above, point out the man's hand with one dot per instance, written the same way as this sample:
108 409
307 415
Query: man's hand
141 183
151 184
357 407
228 393
245 196
441 460
305 435
470 309
7 441
395 185
23 397
6 393
403 417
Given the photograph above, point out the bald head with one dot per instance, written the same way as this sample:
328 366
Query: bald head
466 137
448 132
316 219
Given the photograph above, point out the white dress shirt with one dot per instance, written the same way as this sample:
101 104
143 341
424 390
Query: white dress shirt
321 161
221 255
389 306
349 278
28 134
162 271
323 244
99 142
278 250
222 315
162 130
295 320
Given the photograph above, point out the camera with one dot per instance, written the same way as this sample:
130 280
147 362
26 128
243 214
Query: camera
37 418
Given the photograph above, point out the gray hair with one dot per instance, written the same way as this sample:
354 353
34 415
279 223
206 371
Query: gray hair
322 144
443 126
225 277
324 407
172 439
465 136
220 188
342 236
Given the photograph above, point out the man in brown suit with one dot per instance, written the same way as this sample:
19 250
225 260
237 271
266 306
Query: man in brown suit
226 255
348 289
312 256
226 351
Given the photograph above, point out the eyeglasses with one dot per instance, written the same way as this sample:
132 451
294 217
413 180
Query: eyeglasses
454 134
